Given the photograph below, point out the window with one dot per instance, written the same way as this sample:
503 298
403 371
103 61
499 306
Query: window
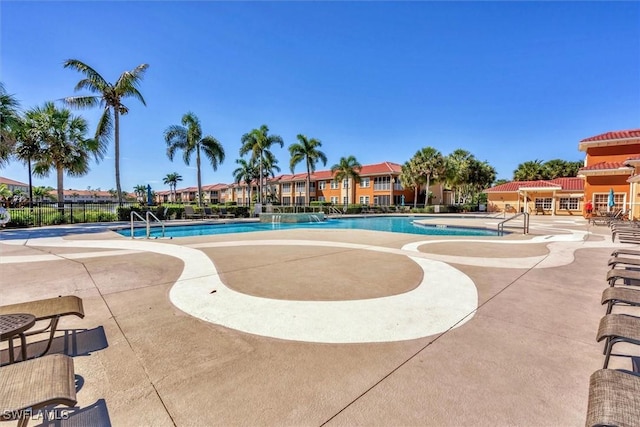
601 201
300 187
544 203
345 183
364 200
570 203
312 187
364 182
334 200
321 199
335 185
321 185
286 188
382 183
344 200
286 201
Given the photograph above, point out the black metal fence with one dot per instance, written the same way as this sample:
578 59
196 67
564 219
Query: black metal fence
52 213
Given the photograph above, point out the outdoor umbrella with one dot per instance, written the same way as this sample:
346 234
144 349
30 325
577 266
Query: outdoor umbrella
610 201
149 196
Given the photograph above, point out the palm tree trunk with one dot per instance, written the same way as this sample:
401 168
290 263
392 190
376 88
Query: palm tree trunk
199 175
30 184
60 184
415 197
308 189
116 115
426 196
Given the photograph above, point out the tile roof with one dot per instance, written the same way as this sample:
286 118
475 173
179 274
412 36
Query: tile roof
620 134
8 181
604 166
566 184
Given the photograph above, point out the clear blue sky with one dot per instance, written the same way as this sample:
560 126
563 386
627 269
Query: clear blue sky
507 81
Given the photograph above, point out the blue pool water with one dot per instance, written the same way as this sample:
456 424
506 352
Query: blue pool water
392 224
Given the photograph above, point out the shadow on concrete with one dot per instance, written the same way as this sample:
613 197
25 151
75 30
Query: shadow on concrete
95 415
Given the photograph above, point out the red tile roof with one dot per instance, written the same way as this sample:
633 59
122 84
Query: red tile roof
8 181
620 134
604 166
566 184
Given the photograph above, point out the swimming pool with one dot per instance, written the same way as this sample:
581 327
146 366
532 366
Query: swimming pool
392 224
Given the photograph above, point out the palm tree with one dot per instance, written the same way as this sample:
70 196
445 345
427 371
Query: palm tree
28 145
259 143
139 190
456 169
429 164
109 96
347 168
64 145
529 171
247 172
189 139
172 180
409 178
307 150
9 122
41 193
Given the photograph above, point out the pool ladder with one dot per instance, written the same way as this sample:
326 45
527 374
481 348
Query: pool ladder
147 221
525 223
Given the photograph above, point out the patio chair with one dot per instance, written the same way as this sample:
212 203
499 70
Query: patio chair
631 252
614 398
51 310
615 328
208 213
27 387
627 295
190 213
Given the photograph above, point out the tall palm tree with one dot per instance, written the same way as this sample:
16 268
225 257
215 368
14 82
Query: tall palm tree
9 123
307 150
108 96
247 172
456 169
172 180
140 190
259 143
28 144
429 164
347 168
65 147
188 138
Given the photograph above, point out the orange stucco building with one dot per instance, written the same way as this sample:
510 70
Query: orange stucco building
612 162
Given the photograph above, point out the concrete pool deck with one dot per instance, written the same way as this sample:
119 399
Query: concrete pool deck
335 327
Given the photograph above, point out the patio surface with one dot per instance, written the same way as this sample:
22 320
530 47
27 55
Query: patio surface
324 327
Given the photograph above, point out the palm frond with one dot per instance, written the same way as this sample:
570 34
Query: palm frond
92 75
82 102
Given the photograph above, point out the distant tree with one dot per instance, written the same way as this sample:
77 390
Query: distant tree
109 96
259 143
41 193
172 180
529 171
558 168
306 150
347 168
410 178
499 182
139 191
456 171
65 147
9 123
28 144
430 165
189 139
5 193
479 176
247 172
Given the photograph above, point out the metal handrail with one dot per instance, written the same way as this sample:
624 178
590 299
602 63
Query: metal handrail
150 214
525 224
147 221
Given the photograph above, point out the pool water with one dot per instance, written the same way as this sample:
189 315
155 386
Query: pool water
391 224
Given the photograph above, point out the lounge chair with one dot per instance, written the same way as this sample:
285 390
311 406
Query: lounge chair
208 213
226 214
629 277
615 328
614 399
632 252
27 387
625 261
190 213
51 309
628 295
